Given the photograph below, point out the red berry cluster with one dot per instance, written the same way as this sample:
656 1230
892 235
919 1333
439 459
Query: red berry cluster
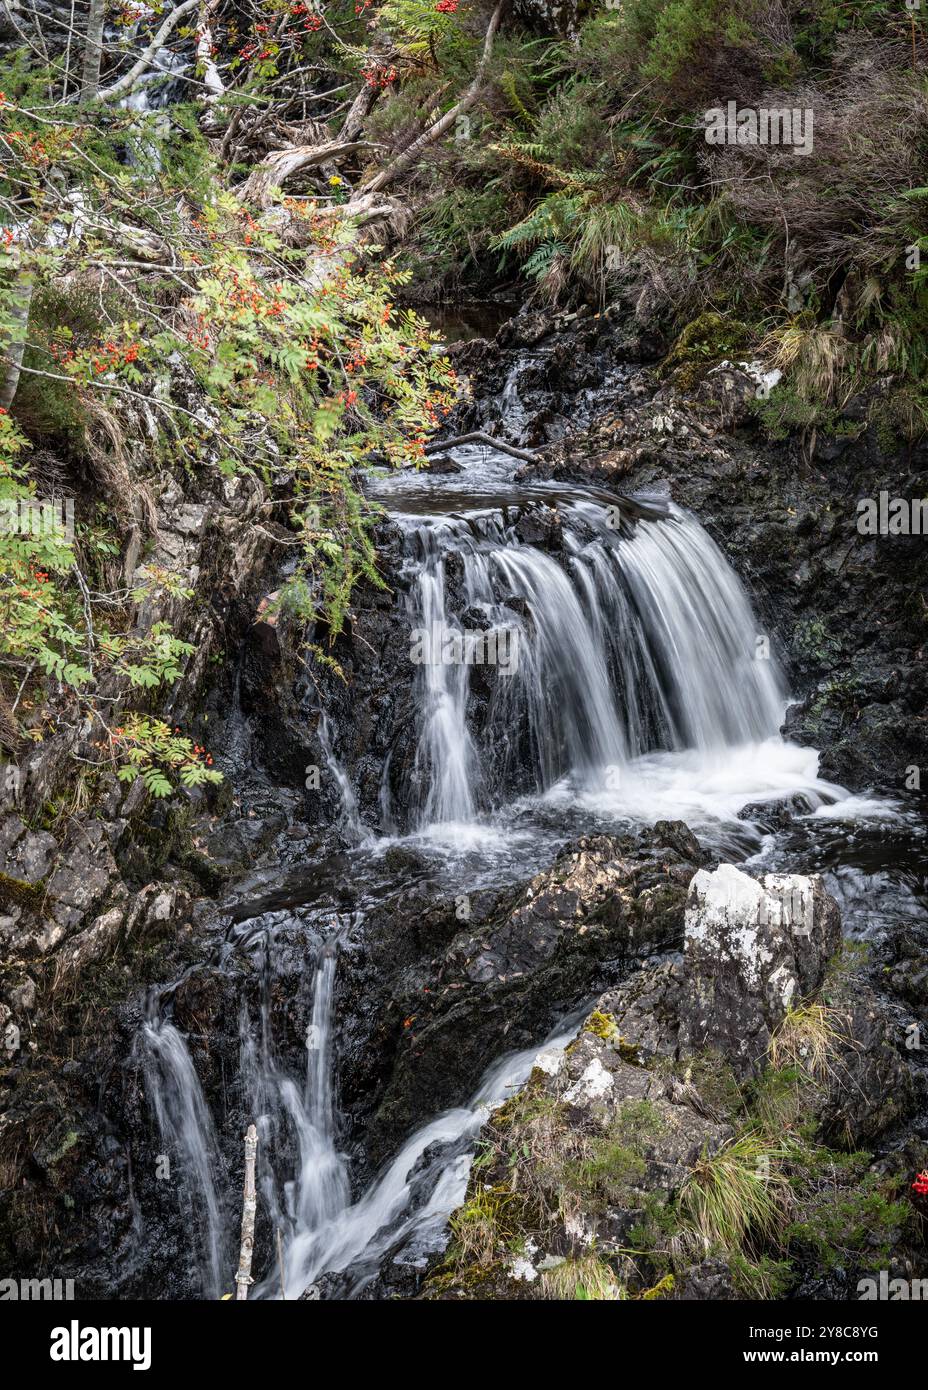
378 77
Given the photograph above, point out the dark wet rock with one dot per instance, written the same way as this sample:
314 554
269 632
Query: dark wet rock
498 961
25 855
709 1281
869 1088
442 464
776 815
540 526
593 1152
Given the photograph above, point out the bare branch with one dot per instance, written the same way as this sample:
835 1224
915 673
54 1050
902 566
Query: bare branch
414 152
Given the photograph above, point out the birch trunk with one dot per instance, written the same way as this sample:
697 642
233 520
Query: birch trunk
249 1208
93 51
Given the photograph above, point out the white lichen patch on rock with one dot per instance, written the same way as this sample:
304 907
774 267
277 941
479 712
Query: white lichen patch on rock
594 1082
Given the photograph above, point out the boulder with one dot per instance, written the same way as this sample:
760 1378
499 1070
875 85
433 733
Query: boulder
752 949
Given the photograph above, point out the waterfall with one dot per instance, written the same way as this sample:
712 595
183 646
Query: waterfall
558 662
350 819
627 642
302 1176
186 1127
407 1205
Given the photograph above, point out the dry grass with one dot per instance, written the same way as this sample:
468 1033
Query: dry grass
585 1277
815 356
739 1190
806 1039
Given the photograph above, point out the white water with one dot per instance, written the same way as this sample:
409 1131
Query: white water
643 690
332 1235
351 822
187 1131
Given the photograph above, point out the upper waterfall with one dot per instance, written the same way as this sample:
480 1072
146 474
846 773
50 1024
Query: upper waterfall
620 640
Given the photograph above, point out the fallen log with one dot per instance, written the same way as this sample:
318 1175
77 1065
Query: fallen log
281 165
478 437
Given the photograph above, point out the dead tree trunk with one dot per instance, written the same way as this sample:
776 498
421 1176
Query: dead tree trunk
249 1208
358 112
279 166
18 313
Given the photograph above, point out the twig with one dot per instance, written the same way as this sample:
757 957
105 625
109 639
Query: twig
280 1266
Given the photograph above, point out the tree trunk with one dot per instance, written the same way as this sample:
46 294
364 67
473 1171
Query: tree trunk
93 51
249 1208
16 346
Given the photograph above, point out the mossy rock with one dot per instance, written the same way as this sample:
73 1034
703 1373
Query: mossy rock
704 342
15 892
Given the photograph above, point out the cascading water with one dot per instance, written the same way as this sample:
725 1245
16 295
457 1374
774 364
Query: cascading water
408 1204
634 686
350 819
297 1114
187 1131
619 644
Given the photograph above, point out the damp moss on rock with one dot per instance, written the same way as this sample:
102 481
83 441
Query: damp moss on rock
703 343
17 893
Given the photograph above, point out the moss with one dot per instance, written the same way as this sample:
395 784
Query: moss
525 1106
662 1289
636 1123
703 343
607 1177
209 875
760 1278
785 411
778 1097
629 1052
490 1224
611 1166
601 1025
658 1223
867 1216
847 962
462 1281
15 892
67 1143
812 641
842 694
